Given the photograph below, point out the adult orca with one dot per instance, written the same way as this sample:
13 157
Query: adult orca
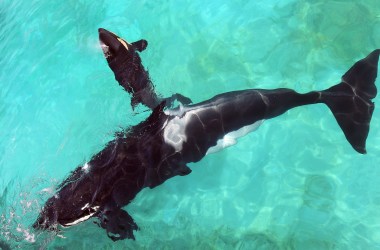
160 147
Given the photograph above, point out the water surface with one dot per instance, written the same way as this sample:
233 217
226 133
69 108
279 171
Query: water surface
295 183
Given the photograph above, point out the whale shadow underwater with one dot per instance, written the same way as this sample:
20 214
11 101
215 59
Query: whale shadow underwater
160 147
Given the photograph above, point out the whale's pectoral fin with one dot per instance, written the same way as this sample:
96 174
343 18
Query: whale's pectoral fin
183 170
173 170
157 176
140 45
118 223
177 97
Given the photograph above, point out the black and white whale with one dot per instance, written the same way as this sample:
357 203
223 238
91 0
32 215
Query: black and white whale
160 147
129 71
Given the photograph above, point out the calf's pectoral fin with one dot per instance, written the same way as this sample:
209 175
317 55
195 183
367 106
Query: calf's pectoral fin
140 45
177 97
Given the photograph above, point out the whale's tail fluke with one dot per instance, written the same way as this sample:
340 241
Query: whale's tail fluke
350 100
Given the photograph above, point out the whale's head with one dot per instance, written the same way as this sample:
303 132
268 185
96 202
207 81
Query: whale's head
117 50
124 60
57 212
71 205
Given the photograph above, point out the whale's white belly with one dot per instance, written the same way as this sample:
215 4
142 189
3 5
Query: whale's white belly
230 139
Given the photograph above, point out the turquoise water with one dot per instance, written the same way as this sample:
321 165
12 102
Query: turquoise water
295 183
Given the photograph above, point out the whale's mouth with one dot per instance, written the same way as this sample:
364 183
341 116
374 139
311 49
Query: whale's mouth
50 217
112 45
87 214
105 49
109 43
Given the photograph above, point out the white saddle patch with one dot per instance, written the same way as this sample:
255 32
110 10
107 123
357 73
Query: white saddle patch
174 130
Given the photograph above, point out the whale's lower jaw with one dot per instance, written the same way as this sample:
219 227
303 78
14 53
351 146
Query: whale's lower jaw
84 218
105 49
94 210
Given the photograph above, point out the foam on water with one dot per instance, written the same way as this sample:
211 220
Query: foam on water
293 184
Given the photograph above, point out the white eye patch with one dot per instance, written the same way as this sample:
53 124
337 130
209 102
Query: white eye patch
123 42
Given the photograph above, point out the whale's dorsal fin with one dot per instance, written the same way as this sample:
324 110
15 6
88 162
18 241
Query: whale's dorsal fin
157 111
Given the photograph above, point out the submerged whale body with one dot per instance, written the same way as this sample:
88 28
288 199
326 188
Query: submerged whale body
160 147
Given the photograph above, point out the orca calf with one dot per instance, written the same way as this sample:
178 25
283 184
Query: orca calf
160 147
130 73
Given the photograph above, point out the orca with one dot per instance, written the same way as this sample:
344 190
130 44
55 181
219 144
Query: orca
130 73
159 148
